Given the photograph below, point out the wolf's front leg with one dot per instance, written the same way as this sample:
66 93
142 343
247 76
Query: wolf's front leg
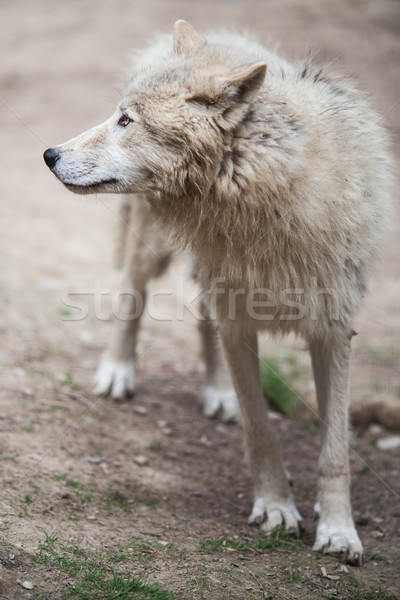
336 533
116 372
144 254
273 502
218 391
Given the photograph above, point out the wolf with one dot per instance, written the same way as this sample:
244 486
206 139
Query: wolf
278 179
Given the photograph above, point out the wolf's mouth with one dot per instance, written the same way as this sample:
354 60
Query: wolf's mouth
89 187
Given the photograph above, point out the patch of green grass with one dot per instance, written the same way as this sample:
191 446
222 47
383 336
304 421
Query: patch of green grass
90 576
277 538
276 387
60 476
373 351
72 483
292 359
365 469
27 499
25 514
71 382
376 386
294 575
359 592
116 498
153 447
379 558
145 500
65 312
140 550
307 425
28 427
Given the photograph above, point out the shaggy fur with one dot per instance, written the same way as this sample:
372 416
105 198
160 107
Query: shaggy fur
144 253
278 180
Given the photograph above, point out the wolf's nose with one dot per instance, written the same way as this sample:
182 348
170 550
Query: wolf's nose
51 156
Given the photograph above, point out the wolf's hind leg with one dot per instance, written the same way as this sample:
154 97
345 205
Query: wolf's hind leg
273 501
218 391
336 533
144 254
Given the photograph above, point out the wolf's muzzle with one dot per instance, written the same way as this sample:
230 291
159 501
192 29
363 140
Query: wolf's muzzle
51 156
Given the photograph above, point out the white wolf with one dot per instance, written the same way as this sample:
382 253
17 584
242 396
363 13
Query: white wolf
279 181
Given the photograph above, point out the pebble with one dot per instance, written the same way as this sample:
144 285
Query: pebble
204 440
377 534
141 460
27 391
28 585
389 443
140 410
344 569
91 517
221 429
95 460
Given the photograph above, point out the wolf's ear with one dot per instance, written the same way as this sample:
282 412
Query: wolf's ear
231 95
243 84
186 38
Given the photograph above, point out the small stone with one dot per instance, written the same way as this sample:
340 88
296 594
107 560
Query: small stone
140 410
324 572
95 460
141 460
389 443
167 431
204 440
274 416
162 424
27 391
91 517
344 569
377 534
163 543
11 556
18 372
28 585
221 429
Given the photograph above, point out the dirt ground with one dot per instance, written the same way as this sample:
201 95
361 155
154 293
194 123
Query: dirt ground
67 458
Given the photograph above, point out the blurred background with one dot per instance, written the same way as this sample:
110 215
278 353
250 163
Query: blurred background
61 62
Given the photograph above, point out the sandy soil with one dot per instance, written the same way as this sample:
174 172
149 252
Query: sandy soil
59 64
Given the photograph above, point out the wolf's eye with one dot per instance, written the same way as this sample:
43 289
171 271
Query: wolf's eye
124 121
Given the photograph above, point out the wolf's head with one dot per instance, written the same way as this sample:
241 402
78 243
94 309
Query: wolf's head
170 130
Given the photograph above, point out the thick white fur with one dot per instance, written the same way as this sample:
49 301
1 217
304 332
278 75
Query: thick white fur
144 253
279 180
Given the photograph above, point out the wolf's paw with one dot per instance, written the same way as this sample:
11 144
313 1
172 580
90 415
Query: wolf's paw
115 379
216 400
341 541
286 515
